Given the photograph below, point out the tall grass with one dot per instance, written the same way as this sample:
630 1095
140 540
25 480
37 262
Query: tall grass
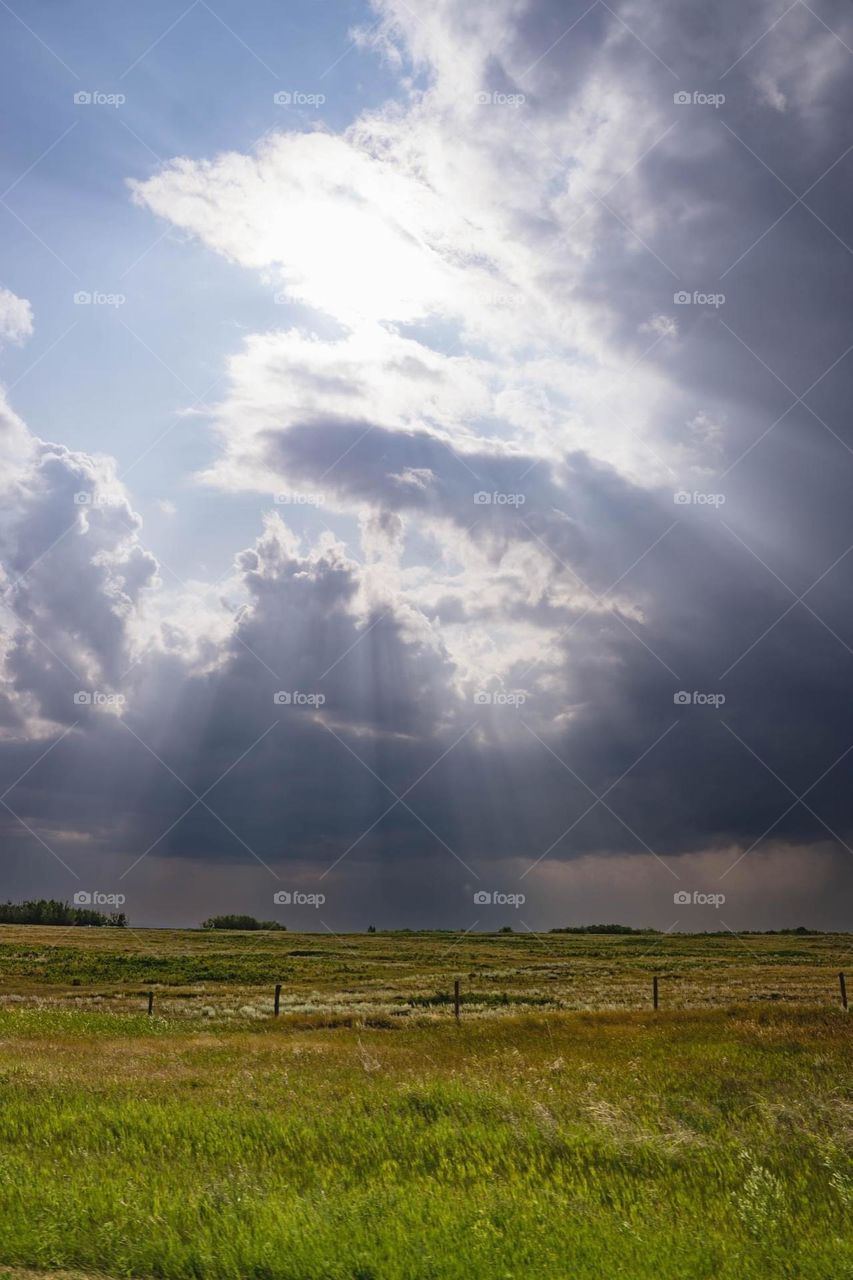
550 1145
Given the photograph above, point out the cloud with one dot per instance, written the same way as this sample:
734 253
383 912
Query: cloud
73 576
16 317
574 382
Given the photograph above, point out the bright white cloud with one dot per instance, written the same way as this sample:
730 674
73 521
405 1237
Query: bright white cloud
16 317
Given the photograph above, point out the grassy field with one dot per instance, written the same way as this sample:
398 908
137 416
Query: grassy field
202 975
560 1129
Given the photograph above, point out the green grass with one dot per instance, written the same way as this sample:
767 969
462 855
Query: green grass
545 1143
194 971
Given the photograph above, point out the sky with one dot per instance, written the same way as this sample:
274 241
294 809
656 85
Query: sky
425 462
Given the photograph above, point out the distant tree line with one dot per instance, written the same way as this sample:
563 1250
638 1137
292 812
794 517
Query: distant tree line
51 911
507 928
619 929
601 928
706 933
241 922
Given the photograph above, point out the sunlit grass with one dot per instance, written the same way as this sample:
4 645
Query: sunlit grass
203 975
365 1134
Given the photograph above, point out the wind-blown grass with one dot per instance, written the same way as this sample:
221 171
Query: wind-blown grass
703 1144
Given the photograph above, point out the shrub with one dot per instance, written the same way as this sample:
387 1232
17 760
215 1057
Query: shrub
241 922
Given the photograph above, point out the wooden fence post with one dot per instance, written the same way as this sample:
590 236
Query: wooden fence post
456 998
277 998
843 986
150 1003
655 991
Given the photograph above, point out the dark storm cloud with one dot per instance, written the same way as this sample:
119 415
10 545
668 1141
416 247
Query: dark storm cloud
706 603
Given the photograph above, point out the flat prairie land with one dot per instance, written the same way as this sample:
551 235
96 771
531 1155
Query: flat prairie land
216 975
561 1128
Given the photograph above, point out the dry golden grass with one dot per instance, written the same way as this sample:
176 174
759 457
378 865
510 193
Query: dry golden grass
231 976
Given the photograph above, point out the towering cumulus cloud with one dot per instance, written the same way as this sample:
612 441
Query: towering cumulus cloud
565 417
